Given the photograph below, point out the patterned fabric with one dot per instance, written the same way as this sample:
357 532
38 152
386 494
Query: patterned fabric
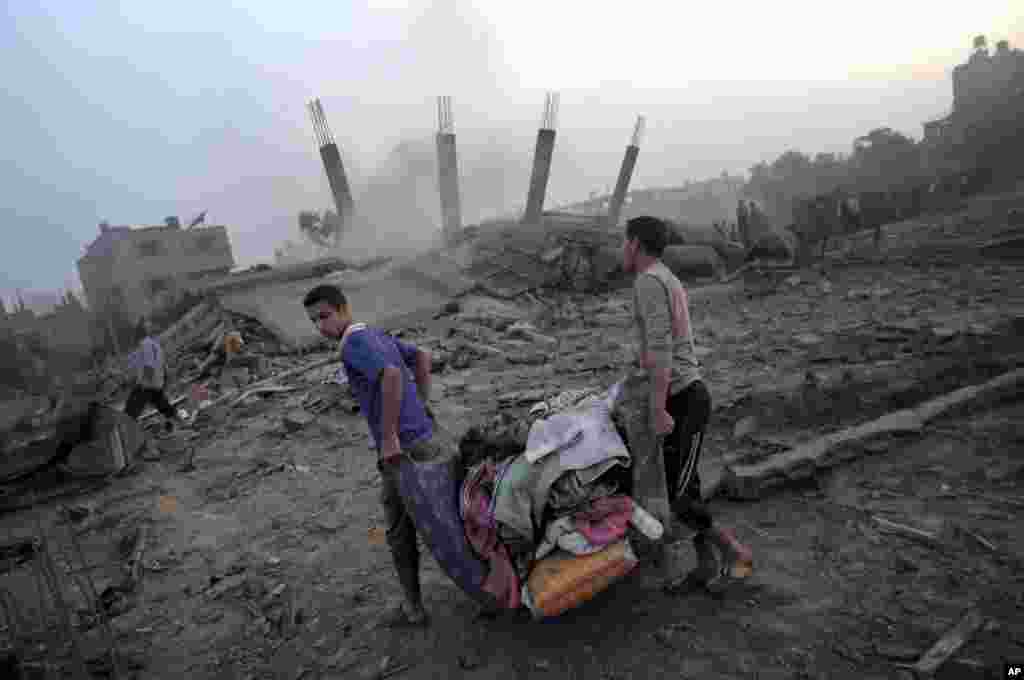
590 528
431 495
605 520
482 532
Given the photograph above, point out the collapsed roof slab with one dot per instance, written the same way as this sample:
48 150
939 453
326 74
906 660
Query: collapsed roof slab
384 297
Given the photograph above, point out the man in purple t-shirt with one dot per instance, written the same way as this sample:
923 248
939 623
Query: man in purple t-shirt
391 381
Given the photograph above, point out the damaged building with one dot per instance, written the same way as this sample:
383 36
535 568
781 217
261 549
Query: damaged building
140 269
988 90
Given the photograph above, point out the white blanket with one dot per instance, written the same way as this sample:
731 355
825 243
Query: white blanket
584 437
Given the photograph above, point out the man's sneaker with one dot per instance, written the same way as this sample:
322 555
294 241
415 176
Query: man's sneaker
738 560
705 575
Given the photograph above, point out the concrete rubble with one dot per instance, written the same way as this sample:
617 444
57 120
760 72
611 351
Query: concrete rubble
869 404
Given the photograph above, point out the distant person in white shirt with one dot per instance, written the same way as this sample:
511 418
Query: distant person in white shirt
150 375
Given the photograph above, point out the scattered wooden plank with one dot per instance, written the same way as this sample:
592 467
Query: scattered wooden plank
1003 500
481 348
135 563
748 481
950 643
740 272
277 378
977 538
1005 383
152 413
269 389
912 533
393 671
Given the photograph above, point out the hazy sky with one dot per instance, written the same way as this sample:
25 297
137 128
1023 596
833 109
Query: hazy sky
134 111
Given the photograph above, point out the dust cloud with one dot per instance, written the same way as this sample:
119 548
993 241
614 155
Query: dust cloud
398 207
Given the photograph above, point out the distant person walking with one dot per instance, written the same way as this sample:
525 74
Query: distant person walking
755 223
150 376
741 223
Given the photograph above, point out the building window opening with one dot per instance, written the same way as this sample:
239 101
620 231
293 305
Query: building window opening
149 248
157 286
205 243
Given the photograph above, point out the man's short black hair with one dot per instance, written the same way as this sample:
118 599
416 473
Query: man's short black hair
328 293
652 233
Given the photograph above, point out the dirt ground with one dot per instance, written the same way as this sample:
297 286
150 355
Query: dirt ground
267 559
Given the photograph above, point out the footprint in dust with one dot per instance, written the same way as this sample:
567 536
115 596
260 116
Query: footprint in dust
756 593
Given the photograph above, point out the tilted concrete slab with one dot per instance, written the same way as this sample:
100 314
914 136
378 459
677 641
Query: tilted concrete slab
386 297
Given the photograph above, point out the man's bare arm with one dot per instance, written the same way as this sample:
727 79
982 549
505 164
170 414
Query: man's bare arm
657 360
422 373
391 404
660 379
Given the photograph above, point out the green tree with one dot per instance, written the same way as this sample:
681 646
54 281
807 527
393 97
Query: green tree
795 175
885 160
830 171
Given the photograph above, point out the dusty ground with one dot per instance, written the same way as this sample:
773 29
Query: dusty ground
267 560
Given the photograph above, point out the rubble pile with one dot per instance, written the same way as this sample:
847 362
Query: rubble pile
250 543
209 356
72 434
565 251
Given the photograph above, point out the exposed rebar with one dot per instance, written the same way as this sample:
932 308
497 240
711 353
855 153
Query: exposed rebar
445 119
321 130
638 131
549 120
49 571
328 135
44 615
333 165
316 125
97 608
321 123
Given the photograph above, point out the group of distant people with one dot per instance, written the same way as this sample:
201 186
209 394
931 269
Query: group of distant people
749 219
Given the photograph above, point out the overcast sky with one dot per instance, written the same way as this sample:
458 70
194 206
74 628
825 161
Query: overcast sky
134 111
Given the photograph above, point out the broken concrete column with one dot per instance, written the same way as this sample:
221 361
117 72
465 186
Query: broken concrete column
625 174
448 170
542 155
333 166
